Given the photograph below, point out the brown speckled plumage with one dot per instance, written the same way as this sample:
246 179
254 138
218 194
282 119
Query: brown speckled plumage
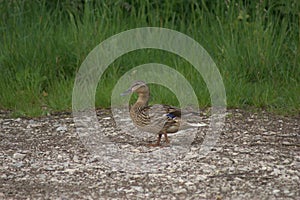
159 119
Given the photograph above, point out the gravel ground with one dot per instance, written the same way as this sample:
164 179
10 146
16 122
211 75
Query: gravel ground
256 157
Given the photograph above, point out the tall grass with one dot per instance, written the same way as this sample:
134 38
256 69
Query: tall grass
254 44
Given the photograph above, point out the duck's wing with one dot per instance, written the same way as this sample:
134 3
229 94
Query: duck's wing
163 117
160 111
172 112
171 119
185 118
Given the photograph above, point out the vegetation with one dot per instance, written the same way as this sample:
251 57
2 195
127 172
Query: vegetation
255 44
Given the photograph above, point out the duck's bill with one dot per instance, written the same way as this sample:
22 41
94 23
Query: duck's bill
127 92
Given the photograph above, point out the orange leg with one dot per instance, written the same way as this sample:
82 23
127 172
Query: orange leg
166 138
158 141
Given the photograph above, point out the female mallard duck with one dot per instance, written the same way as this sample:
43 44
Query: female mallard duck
160 119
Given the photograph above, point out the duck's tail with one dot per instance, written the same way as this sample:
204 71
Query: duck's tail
191 120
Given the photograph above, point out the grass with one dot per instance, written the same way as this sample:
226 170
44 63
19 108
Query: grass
256 46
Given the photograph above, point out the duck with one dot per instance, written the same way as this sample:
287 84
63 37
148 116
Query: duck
160 119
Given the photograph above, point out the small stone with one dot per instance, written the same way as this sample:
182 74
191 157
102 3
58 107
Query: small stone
128 191
286 191
35 166
138 188
54 179
201 178
3 176
75 159
49 169
135 176
135 150
157 175
295 178
19 156
276 172
70 171
225 189
190 186
286 143
231 169
34 125
61 129
18 119
190 156
19 164
179 191
41 176
65 164
6 123
286 161
271 157
264 168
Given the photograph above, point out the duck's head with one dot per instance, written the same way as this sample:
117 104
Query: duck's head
139 87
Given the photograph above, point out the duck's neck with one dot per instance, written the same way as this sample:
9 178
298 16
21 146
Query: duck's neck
143 99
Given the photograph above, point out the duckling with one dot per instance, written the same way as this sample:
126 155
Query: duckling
158 118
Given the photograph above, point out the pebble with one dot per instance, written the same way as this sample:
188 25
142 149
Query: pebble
18 164
286 191
33 124
61 129
19 156
178 191
70 171
191 156
276 191
3 176
225 189
276 172
41 176
138 188
201 178
49 169
75 158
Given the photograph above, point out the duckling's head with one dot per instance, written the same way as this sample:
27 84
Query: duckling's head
139 87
